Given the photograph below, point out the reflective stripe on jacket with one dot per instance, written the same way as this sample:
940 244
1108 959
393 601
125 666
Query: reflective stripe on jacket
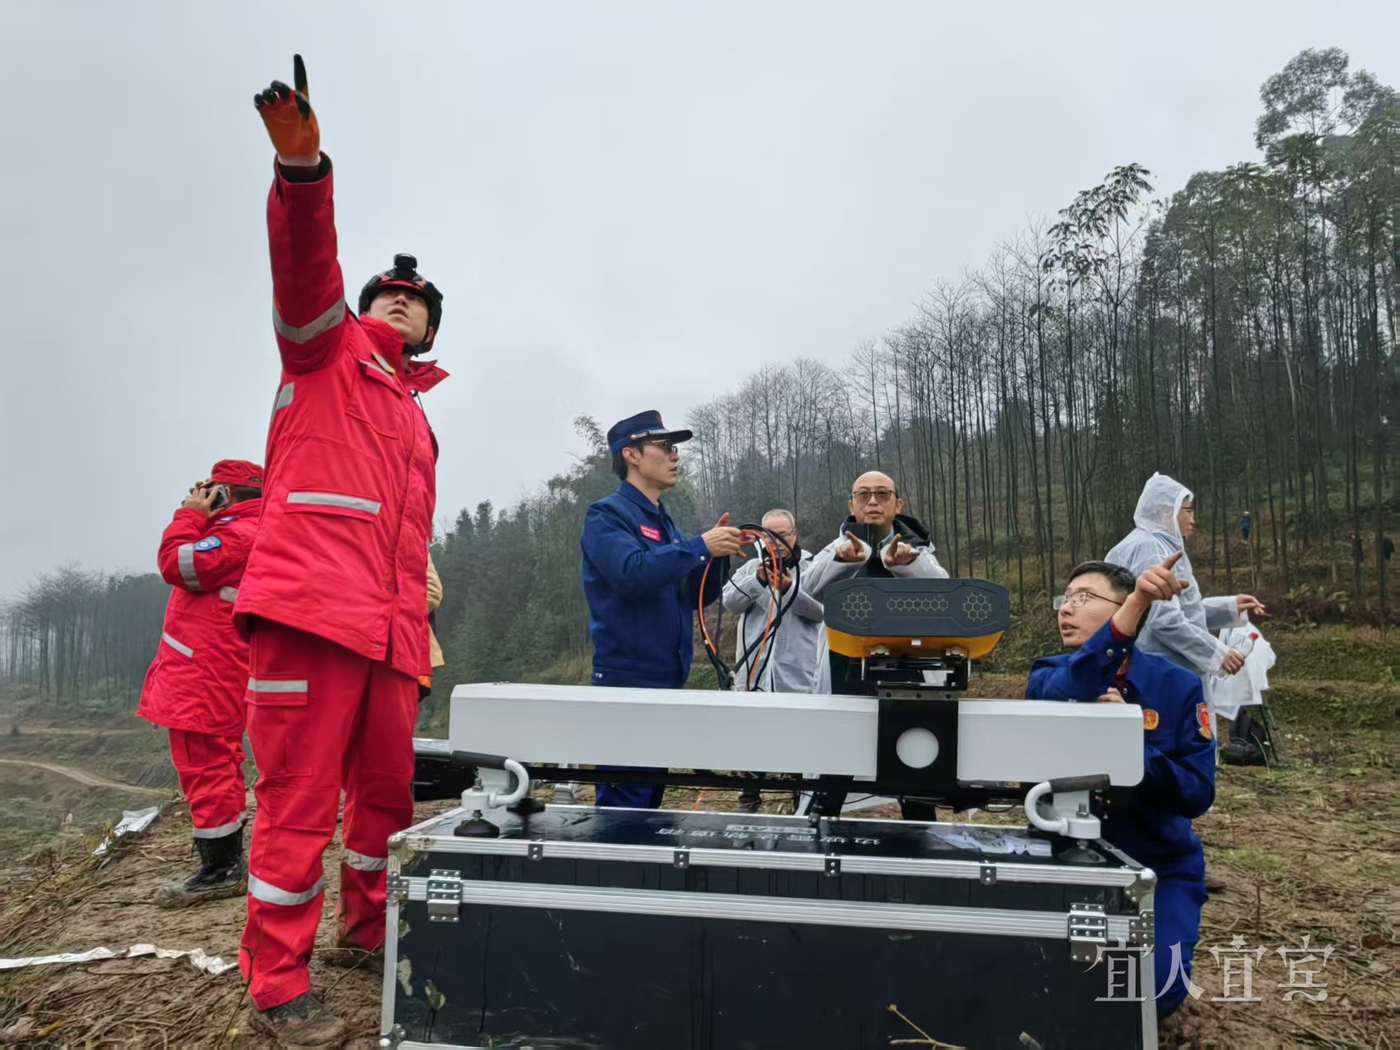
349 492
196 681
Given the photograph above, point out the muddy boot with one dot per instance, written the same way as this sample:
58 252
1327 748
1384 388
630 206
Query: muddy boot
220 875
303 1022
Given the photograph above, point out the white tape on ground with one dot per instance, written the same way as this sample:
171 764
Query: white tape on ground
133 820
196 957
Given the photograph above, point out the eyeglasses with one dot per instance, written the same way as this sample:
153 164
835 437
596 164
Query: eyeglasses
879 495
1079 599
663 444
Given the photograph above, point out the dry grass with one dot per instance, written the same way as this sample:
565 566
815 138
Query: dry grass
1305 849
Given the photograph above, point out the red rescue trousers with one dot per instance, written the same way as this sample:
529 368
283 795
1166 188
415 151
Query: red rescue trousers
210 769
320 718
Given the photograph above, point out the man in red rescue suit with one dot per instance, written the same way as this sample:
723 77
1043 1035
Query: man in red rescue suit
195 685
334 599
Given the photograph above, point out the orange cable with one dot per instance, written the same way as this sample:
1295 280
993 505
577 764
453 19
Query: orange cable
773 580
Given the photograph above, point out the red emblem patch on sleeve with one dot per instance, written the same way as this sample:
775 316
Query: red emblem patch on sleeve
651 533
1150 718
1203 720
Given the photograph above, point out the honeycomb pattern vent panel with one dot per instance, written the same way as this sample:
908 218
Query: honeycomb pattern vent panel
857 606
977 607
924 604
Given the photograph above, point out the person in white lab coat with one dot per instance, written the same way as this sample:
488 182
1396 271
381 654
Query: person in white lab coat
1181 629
800 638
790 661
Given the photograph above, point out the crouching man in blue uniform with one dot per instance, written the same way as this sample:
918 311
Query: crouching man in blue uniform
642 576
1099 616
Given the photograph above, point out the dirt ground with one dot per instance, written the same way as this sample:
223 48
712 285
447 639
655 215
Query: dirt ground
1308 849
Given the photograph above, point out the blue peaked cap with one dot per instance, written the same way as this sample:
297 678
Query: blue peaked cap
643 426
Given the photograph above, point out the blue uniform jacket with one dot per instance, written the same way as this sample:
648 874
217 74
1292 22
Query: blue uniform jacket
1152 821
641 577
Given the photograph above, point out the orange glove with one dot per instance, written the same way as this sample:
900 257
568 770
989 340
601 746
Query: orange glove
291 124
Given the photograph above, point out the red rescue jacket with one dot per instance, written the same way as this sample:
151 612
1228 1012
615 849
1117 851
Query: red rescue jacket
197 679
350 482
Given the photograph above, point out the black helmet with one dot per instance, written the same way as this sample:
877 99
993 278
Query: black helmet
405 275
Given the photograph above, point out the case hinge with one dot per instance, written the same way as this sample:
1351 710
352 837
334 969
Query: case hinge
1140 933
1088 926
444 895
396 888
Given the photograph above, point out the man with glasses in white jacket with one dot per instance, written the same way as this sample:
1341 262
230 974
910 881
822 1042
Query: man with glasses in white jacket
902 544
790 661
878 539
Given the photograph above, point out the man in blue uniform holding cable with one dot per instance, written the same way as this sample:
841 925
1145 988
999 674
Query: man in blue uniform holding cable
1099 615
643 578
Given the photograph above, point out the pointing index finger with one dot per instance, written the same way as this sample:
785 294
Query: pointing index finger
299 75
1173 559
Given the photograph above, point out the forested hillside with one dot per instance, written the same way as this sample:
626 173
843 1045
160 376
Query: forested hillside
1239 333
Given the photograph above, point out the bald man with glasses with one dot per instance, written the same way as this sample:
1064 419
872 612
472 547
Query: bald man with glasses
878 539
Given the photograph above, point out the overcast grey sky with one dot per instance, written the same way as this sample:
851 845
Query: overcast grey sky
627 205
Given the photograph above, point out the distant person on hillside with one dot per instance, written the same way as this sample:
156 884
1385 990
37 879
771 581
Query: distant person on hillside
1180 629
1246 524
195 685
1099 617
642 577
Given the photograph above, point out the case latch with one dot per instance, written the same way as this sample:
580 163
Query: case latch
1088 927
444 895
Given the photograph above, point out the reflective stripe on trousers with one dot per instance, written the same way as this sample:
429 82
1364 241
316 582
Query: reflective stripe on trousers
224 830
361 862
270 894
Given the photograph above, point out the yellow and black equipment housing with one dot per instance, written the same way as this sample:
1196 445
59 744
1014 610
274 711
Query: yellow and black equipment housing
911 642
913 619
